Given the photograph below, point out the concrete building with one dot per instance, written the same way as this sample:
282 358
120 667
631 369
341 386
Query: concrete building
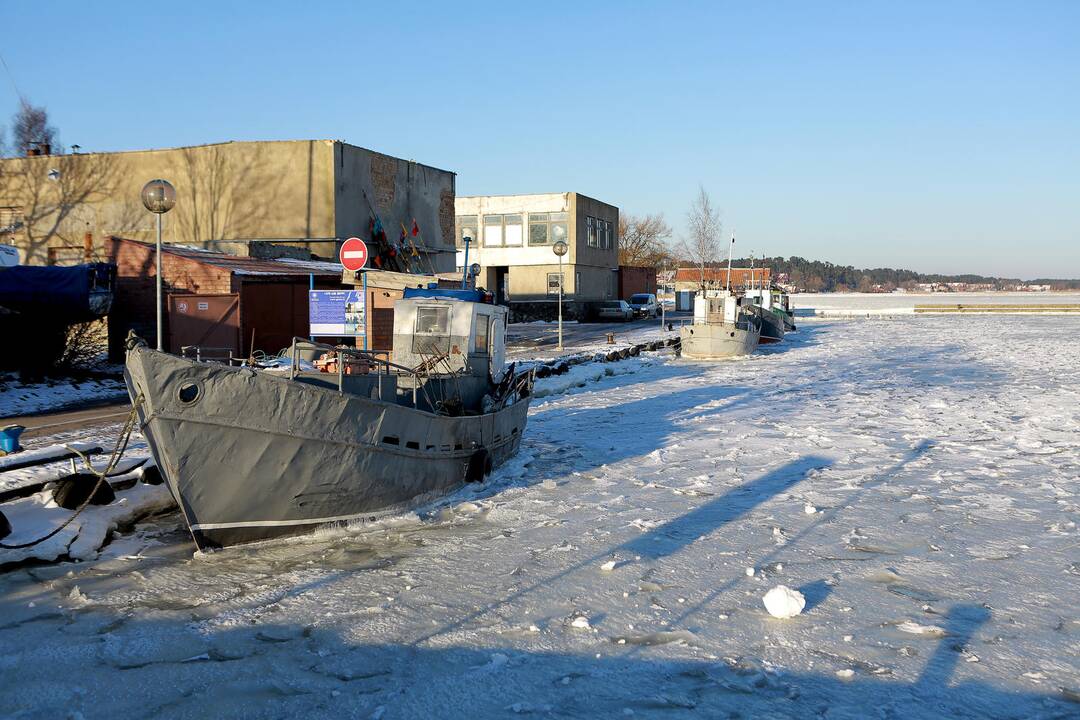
262 199
512 241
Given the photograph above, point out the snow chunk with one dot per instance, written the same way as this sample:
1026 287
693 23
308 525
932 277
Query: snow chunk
915 628
783 602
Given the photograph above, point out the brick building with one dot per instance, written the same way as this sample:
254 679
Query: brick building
690 278
212 299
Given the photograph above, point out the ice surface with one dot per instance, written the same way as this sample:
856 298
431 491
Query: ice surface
942 454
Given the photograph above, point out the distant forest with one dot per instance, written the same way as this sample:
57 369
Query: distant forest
818 276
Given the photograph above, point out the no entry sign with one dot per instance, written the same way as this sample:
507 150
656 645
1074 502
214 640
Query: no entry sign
353 254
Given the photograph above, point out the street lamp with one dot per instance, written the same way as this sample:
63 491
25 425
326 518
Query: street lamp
560 249
159 196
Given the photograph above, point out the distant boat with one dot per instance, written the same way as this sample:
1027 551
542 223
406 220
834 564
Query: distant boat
252 454
725 325
767 304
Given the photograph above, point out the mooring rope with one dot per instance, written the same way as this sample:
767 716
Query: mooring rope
114 459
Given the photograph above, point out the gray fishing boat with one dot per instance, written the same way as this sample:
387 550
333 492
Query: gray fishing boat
251 454
725 325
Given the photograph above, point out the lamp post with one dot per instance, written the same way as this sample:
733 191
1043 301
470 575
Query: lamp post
159 196
560 249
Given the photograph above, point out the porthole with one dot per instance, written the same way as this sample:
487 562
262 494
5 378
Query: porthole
189 393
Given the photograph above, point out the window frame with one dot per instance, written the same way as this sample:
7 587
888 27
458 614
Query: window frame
460 225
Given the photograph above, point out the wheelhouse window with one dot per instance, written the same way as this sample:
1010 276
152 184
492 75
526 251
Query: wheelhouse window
432 335
483 322
467 227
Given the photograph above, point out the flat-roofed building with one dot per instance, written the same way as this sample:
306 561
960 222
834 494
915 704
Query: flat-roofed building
263 199
512 240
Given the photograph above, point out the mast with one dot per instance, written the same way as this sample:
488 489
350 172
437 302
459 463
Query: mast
729 249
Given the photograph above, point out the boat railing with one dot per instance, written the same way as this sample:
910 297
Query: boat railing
209 354
381 365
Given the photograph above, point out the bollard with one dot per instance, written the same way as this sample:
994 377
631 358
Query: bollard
611 338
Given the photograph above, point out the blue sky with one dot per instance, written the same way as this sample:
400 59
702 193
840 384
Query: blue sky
938 136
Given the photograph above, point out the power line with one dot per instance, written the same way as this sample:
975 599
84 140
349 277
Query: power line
11 77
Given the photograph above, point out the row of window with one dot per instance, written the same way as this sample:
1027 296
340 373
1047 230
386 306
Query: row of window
599 233
507 230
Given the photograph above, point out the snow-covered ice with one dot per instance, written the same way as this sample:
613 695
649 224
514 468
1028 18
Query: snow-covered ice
941 454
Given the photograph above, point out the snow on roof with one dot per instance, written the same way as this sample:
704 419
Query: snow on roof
251 266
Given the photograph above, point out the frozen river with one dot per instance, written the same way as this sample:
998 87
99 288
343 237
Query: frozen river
855 304
915 477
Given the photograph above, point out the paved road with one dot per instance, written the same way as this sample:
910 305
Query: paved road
66 420
522 336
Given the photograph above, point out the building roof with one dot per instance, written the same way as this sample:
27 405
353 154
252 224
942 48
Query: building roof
739 276
248 265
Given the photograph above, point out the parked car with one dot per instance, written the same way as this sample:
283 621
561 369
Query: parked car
644 305
615 310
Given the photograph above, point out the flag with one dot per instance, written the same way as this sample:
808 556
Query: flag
415 228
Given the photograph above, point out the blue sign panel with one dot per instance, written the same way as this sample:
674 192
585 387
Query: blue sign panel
336 313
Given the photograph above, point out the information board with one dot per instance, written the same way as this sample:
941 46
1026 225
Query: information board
336 313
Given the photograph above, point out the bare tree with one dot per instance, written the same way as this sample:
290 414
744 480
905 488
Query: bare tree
30 126
643 240
701 244
54 197
223 192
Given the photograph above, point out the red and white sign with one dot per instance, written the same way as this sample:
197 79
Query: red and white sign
353 254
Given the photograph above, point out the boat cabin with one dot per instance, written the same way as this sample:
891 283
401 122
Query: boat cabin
450 331
715 307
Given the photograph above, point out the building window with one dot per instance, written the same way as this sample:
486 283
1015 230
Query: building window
432 336
539 232
466 227
590 231
609 235
493 231
547 228
481 344
553 282
512 233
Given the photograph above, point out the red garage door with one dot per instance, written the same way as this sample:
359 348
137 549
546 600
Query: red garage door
208 322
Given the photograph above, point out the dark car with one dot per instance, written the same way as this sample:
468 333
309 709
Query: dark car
644 305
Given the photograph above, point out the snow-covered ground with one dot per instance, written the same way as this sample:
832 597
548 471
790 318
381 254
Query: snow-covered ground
18 398
914 479
864 304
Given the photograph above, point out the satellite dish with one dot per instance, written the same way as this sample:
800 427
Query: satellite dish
54 174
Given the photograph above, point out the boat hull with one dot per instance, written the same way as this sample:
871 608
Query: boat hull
772 326
710 342
257 456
